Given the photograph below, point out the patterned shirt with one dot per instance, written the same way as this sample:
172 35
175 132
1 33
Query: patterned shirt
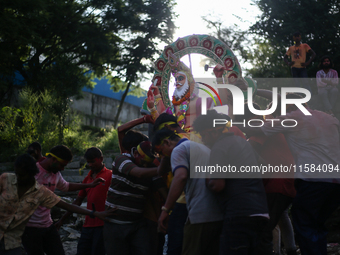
42 216
15 212
332 75
298 54
126 192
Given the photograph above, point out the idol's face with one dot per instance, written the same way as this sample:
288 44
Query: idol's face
180 80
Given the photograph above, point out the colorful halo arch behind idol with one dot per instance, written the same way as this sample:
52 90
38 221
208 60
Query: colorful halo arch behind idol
206 45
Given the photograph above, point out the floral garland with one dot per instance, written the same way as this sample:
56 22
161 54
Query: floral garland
188 95
183 108
183 99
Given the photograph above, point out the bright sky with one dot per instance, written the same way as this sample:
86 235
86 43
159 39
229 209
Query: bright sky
189 21
190 14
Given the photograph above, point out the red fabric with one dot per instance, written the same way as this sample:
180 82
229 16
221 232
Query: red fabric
96 195
237 132
275 151
156 162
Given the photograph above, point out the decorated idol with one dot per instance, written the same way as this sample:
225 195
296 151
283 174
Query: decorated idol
184 98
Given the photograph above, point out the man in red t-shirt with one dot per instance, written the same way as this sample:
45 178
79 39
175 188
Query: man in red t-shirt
91 240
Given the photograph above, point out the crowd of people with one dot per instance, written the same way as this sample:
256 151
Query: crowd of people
152 191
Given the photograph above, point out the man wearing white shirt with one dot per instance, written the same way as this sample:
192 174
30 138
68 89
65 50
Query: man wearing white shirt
327 81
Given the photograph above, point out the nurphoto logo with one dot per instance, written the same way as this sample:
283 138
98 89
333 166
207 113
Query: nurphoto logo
238 99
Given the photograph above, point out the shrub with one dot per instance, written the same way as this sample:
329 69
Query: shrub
35 120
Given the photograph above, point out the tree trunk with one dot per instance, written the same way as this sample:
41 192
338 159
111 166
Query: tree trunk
61 129
121 104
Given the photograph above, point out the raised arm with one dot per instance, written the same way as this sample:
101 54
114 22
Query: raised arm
122 129
154 98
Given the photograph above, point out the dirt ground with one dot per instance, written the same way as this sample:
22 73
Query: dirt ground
70 233
70 247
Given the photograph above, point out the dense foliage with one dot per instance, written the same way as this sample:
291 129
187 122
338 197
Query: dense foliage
59 45
34 120
317 21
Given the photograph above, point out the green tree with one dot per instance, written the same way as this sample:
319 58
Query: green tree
150 23
29 122
236 39
35 120
54 44
266 61
317 21
51 45
38 37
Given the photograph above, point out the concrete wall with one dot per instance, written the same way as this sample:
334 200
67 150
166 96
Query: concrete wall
100 111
